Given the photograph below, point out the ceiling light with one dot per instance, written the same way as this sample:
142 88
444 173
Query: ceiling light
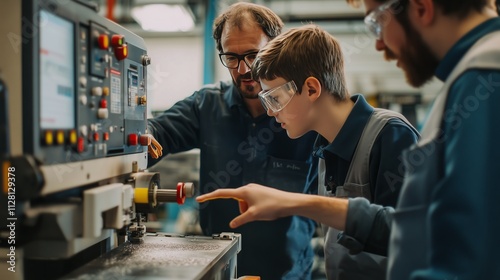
163 17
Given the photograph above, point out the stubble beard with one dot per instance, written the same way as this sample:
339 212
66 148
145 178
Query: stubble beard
247 91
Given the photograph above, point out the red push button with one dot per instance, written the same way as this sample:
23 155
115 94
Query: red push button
79 145
133 140
103 41
96 136
117 40
105 136
121 52
144 140
103 104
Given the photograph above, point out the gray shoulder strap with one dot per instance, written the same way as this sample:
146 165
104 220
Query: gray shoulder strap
484 54
321 177
359 170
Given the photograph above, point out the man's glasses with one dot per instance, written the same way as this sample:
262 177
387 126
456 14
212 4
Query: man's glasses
377 18
232 60
277 98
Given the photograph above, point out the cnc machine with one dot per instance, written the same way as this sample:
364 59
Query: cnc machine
75 190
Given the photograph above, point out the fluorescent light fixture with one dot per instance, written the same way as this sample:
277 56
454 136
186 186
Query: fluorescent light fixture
163 17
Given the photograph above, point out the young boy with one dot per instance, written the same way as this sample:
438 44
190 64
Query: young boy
302 76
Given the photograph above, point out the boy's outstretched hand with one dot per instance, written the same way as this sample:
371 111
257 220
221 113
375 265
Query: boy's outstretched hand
256 202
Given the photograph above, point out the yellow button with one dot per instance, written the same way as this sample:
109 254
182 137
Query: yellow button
72 137
105 91
60 137
49 137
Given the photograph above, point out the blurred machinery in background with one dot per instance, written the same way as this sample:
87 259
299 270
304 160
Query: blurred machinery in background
74 186
405 103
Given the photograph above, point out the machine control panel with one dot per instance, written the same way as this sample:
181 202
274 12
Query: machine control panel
91 99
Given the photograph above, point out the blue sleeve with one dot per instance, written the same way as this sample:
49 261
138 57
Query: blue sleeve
386 167
464 218
177 129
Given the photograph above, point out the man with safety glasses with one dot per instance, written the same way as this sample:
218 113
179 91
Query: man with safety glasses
446 223
240 144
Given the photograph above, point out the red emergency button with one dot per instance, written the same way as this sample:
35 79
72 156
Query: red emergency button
79 145
103 41
117 40
121 52
103 104
133 139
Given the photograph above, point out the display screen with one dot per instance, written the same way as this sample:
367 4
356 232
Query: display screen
57 72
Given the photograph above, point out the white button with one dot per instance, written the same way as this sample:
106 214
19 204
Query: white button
97 91
83 82
84 130
111 129
83 99
102 113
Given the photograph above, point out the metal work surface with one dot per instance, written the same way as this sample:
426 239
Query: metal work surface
163 256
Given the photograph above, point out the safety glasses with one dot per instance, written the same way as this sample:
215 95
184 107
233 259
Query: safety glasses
277 98
378 17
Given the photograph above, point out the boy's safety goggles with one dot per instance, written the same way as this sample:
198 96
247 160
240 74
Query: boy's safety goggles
277 98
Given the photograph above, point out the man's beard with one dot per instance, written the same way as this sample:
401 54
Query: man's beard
416 59
250 92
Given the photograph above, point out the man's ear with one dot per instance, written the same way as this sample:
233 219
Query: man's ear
313 87
423 11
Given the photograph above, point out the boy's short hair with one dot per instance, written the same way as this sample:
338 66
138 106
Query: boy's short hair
302 52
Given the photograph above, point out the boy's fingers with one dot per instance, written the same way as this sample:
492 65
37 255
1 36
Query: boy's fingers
240 220
219 194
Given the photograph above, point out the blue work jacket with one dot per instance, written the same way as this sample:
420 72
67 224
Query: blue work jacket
448 210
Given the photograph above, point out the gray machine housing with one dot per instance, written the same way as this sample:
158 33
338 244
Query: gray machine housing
74 183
